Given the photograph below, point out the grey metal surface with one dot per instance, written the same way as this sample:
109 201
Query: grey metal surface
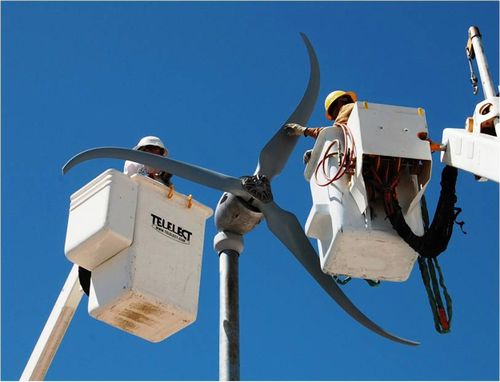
229 323
285 226
258 186
187 171
482 63
276 152
225 240
234 214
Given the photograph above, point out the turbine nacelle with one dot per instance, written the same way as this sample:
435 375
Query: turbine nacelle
235 214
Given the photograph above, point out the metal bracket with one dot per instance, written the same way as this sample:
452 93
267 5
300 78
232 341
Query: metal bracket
258 186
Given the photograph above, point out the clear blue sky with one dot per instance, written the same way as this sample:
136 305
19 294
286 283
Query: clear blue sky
215 80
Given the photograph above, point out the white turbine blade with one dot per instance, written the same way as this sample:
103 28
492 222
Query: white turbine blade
276 152
285 226
187 171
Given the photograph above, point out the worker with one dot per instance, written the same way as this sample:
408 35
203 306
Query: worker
153 145
338 107
149 144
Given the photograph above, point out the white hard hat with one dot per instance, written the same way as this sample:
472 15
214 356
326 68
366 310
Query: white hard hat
151 141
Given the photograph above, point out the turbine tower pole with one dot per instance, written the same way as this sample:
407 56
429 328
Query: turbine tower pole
233 217
229 246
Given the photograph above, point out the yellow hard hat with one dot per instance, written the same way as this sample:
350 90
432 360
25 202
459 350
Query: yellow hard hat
335 95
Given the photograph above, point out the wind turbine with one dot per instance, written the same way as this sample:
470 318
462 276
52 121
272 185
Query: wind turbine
245 201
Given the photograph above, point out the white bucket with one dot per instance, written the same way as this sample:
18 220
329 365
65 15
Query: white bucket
101 219
149 288
354 237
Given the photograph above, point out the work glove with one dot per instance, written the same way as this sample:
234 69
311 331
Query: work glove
307 156
163 177
144 170
294 129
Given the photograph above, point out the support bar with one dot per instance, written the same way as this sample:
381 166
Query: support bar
482 63
55 329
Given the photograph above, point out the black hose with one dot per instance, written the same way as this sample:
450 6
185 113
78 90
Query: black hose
436 238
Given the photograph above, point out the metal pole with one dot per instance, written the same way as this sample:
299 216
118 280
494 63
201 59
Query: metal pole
229 245
55 329
482 63
229 324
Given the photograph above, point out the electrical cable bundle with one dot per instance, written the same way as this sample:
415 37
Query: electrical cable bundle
347 158
434 241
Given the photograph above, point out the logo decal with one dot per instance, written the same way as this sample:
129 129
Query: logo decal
171 230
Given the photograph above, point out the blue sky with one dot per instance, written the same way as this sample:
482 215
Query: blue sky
215 81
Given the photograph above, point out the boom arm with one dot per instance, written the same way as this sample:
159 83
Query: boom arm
55 329
476 148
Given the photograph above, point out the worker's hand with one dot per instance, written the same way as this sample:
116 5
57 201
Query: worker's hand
164 177
307 156
294 129
150 171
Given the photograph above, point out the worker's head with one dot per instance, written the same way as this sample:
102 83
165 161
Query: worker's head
335 100
152 145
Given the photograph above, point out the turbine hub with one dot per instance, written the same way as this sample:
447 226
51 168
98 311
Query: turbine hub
258 186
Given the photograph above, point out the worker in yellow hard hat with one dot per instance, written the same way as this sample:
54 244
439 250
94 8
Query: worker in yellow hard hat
338 107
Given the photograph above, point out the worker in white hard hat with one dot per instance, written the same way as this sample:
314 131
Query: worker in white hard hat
338 108
149 144
153 145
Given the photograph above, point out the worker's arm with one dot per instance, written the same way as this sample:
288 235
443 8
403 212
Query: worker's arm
130 168
163 177
294 129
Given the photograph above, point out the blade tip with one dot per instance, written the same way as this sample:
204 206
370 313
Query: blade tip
67 166
408 342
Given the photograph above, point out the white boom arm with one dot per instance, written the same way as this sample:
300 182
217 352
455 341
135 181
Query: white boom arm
476 148
55 329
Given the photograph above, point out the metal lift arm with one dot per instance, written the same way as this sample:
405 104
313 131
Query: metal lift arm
476 148
55 328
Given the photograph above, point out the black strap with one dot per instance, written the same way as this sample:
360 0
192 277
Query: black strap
442 317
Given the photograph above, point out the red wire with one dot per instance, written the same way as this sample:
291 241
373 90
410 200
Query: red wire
348 156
